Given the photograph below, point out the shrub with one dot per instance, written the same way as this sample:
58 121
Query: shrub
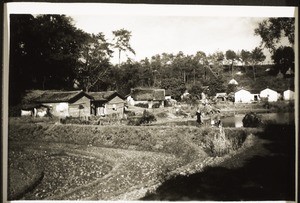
156 105
129 113
251 120
181 113
147 118
134 120
142 105
162 115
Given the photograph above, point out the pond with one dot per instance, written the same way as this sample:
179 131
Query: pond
237 120
280 118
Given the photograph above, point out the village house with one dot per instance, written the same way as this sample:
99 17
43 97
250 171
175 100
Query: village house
107 103
168 95
243 96
147 96
256 98
34 110
221 97
288 95
233 82
66 103
270 95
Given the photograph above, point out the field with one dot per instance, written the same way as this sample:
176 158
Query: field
115 161
118 162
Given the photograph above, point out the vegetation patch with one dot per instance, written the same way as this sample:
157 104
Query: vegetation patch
55 172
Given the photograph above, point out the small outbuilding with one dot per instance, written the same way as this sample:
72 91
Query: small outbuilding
288 95
66 103
148 96
270 95
107 103
34 110
221 97
233 82
243 96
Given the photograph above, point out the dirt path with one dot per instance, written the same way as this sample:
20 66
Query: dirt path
131 170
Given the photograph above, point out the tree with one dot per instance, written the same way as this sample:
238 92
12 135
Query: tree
231 55
245 57
174 85
44 53
272 30
216 61
121 41
95 55
257 56
284 58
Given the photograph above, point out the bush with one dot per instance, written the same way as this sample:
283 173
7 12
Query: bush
251 120
162 115
181 113
142 105
156 105
129 113
147 118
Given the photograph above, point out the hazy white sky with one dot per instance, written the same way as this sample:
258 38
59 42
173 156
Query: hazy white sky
157 34
166 28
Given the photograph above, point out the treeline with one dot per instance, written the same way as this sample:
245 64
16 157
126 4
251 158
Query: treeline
49 52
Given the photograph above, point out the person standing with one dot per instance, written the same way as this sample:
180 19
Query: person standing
198 114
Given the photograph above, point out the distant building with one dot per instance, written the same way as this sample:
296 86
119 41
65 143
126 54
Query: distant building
68 103
221 96
148 96
168 95
34 110
107 103
288 95
233 82
243 96
256 97
270 95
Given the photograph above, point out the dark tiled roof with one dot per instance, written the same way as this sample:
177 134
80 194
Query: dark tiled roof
104 96
54 97
144 94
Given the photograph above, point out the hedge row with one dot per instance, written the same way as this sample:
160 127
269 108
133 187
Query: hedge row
179 141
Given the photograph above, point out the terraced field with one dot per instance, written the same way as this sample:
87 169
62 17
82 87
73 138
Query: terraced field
71 162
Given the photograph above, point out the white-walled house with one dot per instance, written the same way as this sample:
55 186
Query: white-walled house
288 95
107 103
233 82
148 96
68 103
269 94
243 96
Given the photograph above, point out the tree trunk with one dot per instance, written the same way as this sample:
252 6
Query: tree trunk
194 77
232 69
44 82
253 67
119 57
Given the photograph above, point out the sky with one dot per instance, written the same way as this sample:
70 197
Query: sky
153 35
160 29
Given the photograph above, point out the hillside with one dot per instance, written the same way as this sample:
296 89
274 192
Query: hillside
264 79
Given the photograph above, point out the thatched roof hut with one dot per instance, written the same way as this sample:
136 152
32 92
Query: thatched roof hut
148 94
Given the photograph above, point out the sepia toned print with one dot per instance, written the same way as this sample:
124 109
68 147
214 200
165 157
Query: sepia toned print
141 107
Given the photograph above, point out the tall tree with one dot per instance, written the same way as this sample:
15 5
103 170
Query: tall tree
284 58
245 57
272 30
122 41
95 56
257 56
44 53
231 56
